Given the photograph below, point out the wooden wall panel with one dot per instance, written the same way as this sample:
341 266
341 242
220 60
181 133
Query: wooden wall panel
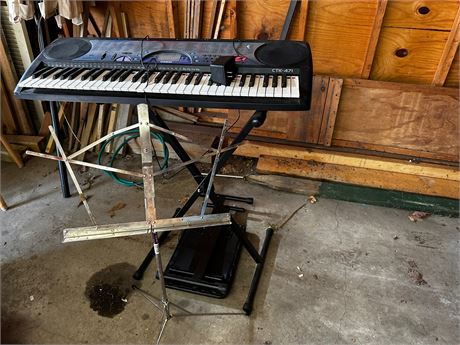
416 120
421 14
339 34
146 18
453 78
419 54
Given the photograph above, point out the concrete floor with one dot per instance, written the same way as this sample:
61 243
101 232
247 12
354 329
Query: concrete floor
337 272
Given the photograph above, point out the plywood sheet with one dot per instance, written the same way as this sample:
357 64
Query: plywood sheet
424 50
146 18
422 14
339 34
421 120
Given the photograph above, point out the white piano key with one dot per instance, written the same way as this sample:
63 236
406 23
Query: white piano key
165 87
173 88
213 89
27 82
237 89
269 92
94 84
287 89
229 89
180 89
245 89
220 90
205 89
261 90
148 85
188 89
47 81
295 91
196 90
253 90
278 89
124 85
76 80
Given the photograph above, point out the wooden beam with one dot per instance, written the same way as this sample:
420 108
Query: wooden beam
10 80
448 54
374 38
13 154
253 149
114 9
360 176
31 141
61 113
330 111
212 19
92 108
303 16
7 113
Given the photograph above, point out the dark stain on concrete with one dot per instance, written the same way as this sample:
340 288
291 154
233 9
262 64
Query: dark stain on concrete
108 289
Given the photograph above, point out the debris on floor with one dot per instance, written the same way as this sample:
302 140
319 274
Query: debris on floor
311 199
418 215
415 274
118 206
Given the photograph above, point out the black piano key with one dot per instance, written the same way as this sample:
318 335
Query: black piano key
275 81
66 74
210 82
48 73
146 76
88 74
159 76
168 77
243 80
74 74
117 75
176 78
109 75
125 75
198 78
61 72
138 75
189 78
36 74
283 80
252 80
266 79
97 74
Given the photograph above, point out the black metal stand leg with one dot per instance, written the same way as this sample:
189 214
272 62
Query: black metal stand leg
256 120
247 307
61 165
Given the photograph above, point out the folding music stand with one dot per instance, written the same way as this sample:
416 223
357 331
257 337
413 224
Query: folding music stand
148 119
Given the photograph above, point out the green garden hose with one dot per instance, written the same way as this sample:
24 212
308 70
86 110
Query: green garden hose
132 135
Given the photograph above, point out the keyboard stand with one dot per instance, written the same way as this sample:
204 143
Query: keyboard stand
198 283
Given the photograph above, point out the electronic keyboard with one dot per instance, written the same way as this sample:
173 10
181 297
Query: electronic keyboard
260 75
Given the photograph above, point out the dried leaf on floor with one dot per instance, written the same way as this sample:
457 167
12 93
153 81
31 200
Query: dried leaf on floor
118 206
311 199
418 215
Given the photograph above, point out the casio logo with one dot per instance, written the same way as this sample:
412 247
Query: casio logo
282 70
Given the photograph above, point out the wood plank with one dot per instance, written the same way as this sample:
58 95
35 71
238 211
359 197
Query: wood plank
286 183
406 14
10 80
115 10
217 29
212 19
330 111
44 125
123 120
73 130
373 40
229 21
255 150
7 117
419 54
360 176
448 54
339 33
34 143
422 119
50 146
103 108
111 125
178 113
124 24
453 78
12 153
92 109
173 21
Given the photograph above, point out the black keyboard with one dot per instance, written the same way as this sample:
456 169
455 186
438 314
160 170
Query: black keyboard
261 75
